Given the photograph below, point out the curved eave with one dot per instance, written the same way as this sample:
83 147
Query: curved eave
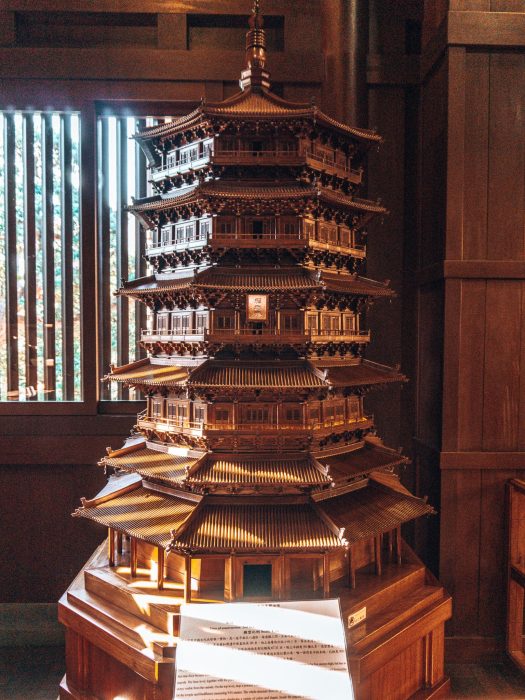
218 279
248 106
174 126
209 193
145 373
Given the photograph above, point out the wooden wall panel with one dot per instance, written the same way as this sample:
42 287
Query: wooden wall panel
474 236
460 546
385 251
429 378
501 382
433 149
492 567
484 358
43 548
471 361
506 156
506 5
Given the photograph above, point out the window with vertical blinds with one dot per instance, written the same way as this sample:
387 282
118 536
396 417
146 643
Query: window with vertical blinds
121 244
40 322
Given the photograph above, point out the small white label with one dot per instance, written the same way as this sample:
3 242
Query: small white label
356 617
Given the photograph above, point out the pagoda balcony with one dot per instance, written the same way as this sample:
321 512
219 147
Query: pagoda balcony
251 335
356 251
161 335
170 425
258 240
285 240
325 426
169 169
246 157
333 167
196 241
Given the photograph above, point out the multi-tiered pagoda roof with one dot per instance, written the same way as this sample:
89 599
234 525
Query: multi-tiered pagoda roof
255 439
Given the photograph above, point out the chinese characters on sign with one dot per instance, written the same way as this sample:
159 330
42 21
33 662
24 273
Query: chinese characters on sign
257 307
269 651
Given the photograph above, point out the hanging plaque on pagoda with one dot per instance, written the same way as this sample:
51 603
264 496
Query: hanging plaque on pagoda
257 307
269 651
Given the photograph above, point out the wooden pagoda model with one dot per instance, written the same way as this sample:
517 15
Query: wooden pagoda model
254 472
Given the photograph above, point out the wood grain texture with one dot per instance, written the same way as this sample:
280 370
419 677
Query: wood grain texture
477 28
506 156
474 228
460 545
501 369
484 329
470 365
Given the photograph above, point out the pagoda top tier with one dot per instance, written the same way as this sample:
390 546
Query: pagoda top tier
250 105
254 102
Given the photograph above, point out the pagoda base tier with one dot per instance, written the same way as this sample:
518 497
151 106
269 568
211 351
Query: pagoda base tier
121 632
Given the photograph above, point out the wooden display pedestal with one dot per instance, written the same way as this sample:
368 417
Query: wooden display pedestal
121 633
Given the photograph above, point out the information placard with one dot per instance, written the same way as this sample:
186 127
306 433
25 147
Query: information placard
268 651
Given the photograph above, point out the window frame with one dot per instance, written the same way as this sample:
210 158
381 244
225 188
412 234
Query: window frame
88 110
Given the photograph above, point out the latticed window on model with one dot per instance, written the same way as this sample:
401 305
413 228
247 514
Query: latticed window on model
40 320
122 174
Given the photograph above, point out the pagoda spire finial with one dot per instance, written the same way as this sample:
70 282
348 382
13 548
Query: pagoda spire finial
255 75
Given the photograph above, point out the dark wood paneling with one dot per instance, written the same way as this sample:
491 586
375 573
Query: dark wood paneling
484 360
385 250
429 375
42 546
501 380
492 553
433 149
460 546
506 156
471 360
473 28
474 239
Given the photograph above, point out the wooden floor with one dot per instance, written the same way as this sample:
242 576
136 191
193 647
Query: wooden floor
34 674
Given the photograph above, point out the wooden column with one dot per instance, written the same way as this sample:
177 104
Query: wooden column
390 536
160 567
133 558
326 576
119 542
228 579
111 546
187 579
398 545
345 44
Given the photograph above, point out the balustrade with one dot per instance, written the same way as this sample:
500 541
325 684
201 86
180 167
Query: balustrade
165 335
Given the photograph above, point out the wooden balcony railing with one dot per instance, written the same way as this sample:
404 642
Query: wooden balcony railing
166 424
250 335
181 166
332 166
189 242
167 336
329 423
